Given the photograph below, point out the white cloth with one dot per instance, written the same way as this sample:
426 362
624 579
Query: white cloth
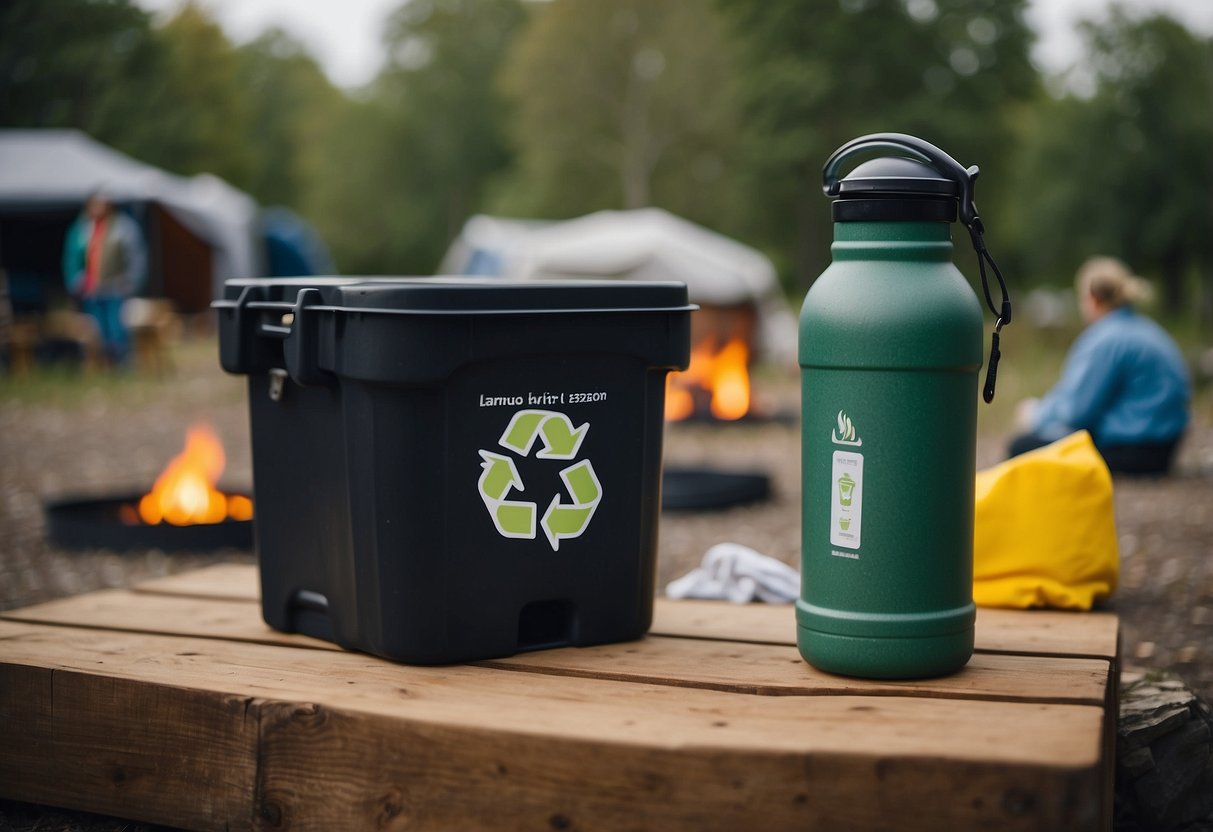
737 573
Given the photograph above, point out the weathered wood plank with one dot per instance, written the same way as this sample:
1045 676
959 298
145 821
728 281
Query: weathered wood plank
393 774
720 665
1033 632
349 741
201 615
232 581
26 723
1028 632
780 671
604 711
155 753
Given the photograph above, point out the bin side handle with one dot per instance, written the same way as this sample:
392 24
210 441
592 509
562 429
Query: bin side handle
302 347
238 351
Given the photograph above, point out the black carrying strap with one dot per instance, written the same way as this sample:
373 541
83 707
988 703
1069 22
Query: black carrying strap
1002 315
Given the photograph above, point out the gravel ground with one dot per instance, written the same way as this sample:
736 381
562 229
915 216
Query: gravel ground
116 437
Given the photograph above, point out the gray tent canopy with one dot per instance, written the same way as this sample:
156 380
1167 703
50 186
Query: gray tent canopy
200 229
643 244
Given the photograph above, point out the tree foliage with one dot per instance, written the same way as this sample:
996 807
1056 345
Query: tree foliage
77 64
1128 169
205 123
291 108
622 104
412 161
819 74
722 111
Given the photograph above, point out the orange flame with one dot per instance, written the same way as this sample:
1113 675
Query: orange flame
722 374
185 493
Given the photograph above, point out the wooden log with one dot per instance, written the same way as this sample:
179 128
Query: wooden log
348 741
156 753
1164 764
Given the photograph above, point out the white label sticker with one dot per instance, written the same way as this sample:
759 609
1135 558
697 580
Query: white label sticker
846 499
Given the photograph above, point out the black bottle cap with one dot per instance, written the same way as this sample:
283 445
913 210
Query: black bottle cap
893 189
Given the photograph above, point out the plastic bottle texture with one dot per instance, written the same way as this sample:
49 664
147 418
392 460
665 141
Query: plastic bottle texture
890 350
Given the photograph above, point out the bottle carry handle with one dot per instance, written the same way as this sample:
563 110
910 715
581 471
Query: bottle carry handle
923 151
915 148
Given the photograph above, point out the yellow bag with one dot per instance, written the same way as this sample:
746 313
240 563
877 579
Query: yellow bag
1044 534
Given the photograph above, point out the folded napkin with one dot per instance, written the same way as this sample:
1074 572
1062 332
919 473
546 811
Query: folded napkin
737 573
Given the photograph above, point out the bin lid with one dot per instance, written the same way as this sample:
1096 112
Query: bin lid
469 295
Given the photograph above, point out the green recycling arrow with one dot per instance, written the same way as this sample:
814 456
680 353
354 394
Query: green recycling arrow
560 439
582 482
514 519
500 474
563 521
520 433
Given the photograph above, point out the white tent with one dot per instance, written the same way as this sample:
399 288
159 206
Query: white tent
61 168
646 244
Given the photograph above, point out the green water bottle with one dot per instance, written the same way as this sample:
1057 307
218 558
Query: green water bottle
890 350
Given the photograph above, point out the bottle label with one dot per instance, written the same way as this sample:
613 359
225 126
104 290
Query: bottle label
846 500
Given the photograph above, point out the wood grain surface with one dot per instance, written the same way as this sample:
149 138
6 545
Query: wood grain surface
175 704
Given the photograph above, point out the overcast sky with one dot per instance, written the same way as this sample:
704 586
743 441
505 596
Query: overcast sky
344 34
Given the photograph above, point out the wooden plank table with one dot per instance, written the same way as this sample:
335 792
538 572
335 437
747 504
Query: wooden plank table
174 703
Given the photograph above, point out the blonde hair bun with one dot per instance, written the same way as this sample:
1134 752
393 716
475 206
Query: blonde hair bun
1111 283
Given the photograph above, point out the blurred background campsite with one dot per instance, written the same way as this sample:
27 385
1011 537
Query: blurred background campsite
643 138
681 138
626 138
719 111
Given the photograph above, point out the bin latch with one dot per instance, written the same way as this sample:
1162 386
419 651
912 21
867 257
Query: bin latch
277 383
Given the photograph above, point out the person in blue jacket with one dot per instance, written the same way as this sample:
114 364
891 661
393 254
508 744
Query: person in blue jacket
1124 379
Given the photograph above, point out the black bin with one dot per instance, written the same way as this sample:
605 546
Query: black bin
451 469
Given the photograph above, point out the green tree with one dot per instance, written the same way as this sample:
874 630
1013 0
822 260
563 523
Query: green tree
77 63
622 104
818 74
354 201
202 124
412 160
168 96
1127 170
291 105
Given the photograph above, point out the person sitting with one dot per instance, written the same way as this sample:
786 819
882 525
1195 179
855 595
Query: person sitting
1124 379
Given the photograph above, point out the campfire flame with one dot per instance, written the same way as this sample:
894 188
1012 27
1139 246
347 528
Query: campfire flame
721 376
185 493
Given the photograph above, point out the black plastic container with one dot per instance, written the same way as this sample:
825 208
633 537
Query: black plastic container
450 469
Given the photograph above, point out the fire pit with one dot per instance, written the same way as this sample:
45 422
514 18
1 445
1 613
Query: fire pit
716 385
105 523
184 511
715 390
706 489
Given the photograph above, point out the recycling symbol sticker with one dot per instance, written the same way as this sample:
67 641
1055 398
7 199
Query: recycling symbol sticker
563 519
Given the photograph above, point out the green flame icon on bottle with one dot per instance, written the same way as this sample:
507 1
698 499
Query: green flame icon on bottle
499 475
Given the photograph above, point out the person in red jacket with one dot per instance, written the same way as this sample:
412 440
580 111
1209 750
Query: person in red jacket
104 263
